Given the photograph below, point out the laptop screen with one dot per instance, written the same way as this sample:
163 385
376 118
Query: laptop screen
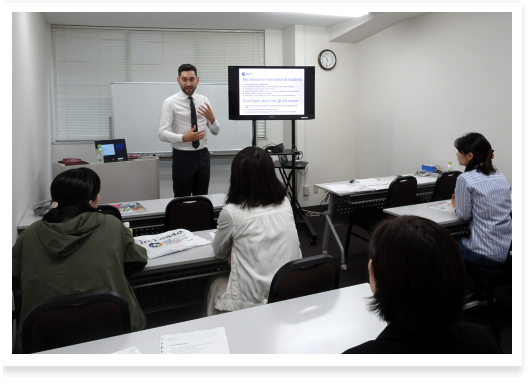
113 150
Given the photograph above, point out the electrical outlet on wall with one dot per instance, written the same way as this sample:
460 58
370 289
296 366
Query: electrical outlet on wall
306 190
315 189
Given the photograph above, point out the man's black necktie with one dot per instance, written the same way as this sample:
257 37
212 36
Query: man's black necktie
194 121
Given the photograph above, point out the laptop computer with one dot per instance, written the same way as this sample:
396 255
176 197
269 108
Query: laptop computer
113 150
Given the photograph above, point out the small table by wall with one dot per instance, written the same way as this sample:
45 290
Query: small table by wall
124 180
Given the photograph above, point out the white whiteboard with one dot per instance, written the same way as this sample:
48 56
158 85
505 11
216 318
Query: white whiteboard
136 111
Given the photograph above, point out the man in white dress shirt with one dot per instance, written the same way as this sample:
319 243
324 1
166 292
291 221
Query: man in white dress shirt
185 118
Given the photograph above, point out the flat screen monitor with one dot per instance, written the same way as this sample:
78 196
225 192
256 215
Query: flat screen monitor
271 92
113 150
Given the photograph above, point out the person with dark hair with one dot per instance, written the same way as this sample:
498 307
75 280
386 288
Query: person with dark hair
482 197
185 118
256 233
417 277
74 249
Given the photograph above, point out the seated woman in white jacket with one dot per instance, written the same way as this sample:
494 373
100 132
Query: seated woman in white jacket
256 233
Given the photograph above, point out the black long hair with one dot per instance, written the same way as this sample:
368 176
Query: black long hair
253 181
477 144
72 190
419 274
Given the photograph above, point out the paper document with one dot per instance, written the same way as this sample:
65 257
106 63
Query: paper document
350 187
380 187
443 206
380 183
425 180
199 342
371 182
131 207
132 350
169 242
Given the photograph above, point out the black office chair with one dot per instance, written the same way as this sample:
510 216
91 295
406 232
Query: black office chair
192 213
444 188
486 279
108 209
401 192
311 275
73 319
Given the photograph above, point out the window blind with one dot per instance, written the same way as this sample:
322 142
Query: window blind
87 60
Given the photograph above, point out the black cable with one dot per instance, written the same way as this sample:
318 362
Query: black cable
299 156
268 145
324 200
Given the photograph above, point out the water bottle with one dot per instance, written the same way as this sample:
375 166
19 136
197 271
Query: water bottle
99 155
128 226
450 166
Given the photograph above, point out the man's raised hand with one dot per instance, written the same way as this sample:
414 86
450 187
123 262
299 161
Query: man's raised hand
206 111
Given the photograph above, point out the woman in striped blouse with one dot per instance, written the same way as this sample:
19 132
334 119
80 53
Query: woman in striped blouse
482 197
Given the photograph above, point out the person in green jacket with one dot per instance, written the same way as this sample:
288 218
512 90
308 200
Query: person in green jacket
74 249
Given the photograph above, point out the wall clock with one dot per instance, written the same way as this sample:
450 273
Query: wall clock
327 59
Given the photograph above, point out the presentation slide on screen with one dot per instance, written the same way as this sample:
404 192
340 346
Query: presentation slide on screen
108 150
271 92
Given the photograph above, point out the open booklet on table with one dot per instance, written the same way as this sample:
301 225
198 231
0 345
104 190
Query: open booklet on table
130 207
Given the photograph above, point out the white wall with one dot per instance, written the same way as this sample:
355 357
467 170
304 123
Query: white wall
31 113
426 81
273 57
327 141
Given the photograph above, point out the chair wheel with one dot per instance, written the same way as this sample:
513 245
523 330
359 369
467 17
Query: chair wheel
344 267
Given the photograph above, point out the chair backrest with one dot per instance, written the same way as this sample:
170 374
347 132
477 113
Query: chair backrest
74 319
444 188
192 213
492 276
108 209
310 275
401 192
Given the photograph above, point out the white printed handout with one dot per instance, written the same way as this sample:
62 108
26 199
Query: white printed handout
376 184
350 187
169 242
128 351
210 341
424 179
443 206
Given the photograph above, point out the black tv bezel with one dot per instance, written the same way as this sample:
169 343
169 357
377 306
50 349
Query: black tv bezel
233 95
